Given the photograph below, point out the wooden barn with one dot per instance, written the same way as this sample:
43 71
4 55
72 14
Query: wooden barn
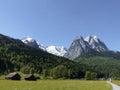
13 76
30 77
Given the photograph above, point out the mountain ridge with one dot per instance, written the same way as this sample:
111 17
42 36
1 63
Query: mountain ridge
89 46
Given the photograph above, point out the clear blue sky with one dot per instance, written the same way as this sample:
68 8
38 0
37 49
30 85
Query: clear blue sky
58 22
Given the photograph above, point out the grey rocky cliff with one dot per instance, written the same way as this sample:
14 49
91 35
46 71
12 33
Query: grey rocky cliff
78 47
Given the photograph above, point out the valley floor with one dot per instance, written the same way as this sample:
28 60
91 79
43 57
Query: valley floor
54 85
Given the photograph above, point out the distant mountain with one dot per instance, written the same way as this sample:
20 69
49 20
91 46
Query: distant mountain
90 46
83 47
56 50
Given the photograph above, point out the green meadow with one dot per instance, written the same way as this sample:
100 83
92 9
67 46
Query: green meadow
54 85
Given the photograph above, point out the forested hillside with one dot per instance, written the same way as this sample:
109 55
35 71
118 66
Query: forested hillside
104 66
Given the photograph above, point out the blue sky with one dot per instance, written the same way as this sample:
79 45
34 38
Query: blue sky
58 22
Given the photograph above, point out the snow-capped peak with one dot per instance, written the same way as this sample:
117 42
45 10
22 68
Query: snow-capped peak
30 42
27 39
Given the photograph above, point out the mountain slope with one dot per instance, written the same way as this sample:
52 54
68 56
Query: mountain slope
105 66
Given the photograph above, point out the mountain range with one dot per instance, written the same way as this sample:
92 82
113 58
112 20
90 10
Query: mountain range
89 54
79 46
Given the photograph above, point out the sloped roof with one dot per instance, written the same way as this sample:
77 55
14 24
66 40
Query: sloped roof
28 75
11 74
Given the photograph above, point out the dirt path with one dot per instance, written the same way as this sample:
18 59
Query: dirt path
114 86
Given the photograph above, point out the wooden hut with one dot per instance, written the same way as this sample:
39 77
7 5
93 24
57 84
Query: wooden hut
30 77
13 76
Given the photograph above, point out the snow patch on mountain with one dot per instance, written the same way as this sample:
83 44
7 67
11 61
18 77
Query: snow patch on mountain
41 46
56 50
28 40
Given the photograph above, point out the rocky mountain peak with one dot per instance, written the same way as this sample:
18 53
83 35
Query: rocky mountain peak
78 47
28 39
79 37
96 43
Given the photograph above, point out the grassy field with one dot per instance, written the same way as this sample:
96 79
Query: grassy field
54 85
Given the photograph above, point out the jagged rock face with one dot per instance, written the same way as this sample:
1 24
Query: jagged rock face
78 47
96 43
30 42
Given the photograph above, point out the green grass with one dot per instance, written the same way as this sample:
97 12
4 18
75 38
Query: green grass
54 85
